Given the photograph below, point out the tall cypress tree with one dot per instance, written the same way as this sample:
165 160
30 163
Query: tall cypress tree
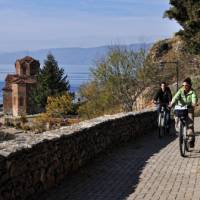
187 14
51 81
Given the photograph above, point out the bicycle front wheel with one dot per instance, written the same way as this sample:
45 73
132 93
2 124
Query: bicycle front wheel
161 125
182 142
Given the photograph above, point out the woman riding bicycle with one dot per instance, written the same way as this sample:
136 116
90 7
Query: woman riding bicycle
186 96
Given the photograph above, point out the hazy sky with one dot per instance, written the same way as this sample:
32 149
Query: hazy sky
39 24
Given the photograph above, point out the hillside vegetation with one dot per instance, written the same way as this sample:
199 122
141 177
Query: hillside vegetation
187 14
123 78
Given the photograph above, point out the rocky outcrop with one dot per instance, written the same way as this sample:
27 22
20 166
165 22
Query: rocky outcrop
174 49
167 50
30 164
170 55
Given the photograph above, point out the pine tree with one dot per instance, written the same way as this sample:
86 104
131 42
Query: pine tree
187 14
51 82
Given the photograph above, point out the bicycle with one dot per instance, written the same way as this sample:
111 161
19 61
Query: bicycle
182 114
163 126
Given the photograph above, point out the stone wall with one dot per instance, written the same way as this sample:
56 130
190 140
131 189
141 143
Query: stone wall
30 163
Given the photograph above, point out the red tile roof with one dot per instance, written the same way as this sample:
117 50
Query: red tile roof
10 78
26 59
24 81
16 79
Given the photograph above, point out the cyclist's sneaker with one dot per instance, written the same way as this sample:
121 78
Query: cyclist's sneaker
191 141
190 133
192 144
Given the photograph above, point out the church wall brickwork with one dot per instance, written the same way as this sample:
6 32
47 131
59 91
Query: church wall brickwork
7 102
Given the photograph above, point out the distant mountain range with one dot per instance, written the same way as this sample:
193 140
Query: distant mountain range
73 56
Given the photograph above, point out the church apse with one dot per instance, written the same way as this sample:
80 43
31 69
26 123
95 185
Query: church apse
17 87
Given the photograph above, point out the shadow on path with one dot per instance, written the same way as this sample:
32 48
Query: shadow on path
113 175
194 153
4 136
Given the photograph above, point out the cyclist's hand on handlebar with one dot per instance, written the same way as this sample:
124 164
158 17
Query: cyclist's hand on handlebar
170 105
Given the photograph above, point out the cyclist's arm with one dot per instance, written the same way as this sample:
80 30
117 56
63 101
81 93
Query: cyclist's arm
170 95
175 98
194 99
155 99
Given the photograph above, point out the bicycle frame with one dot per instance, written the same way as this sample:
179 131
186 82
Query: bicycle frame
182 114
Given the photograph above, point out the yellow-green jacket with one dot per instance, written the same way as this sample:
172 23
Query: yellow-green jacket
183 99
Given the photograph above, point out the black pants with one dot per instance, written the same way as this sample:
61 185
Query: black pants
168 121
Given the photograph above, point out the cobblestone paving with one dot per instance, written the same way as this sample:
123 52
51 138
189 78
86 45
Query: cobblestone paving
147 168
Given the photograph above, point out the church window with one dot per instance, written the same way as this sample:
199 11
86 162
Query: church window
23 70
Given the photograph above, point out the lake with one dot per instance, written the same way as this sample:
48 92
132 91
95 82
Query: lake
1 92
77 75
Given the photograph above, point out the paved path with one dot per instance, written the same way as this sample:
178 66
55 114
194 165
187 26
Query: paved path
148 168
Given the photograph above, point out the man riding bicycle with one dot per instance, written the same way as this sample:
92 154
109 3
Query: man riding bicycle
163 97
186 96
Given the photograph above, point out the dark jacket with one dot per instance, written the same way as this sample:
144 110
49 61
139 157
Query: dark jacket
163 97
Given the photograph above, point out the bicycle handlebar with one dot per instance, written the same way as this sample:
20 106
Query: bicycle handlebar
178 107
162 104
166 105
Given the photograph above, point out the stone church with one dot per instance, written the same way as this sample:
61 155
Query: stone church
17 89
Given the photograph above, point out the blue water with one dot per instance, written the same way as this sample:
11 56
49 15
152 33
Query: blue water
77 75
73 88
